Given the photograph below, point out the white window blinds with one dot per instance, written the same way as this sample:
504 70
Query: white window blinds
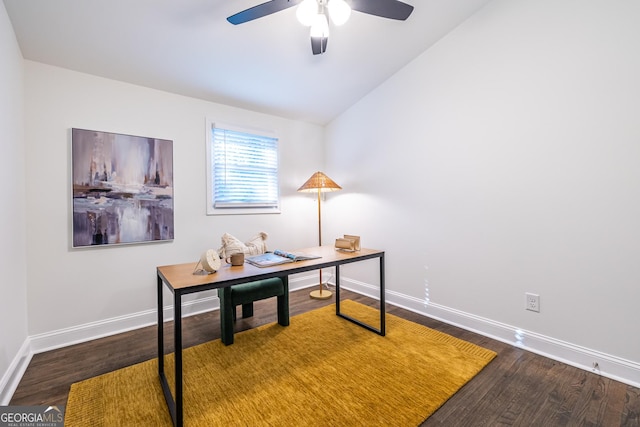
244 170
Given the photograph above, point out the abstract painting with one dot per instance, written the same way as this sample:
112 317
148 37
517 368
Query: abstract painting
122 188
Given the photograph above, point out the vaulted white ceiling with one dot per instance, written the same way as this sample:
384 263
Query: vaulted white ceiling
187 47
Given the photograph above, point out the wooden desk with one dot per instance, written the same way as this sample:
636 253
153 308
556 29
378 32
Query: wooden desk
180 280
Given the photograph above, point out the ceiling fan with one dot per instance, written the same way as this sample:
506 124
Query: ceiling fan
313 13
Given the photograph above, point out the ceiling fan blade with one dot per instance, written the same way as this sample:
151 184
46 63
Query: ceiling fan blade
392 9
319 44
261 10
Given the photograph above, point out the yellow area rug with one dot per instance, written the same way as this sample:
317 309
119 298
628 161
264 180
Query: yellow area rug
321 370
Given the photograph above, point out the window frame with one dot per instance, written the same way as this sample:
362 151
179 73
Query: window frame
210 177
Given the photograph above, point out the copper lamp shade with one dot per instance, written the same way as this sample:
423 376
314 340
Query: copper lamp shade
320 183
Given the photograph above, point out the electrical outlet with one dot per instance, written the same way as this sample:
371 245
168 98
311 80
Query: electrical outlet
533 302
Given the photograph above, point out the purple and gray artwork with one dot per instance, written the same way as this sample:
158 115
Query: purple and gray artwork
122 188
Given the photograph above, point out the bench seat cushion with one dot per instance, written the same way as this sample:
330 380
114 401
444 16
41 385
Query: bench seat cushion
257 290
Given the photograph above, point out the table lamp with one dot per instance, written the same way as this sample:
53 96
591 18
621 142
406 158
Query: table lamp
320 183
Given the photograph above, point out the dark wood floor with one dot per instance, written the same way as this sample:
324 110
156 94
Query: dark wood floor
518 388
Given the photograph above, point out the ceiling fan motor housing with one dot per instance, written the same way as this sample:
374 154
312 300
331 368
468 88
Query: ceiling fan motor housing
313 13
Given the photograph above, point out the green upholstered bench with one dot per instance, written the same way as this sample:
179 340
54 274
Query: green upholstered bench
245 294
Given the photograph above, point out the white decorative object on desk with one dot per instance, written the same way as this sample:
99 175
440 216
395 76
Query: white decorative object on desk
210 262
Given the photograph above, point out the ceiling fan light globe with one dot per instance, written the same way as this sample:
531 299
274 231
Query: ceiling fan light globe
306 12
320 27
339 11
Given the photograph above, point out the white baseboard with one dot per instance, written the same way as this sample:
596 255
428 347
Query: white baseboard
607 365
12 377
301 282
115 325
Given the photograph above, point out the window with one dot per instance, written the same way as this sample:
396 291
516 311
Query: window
242 171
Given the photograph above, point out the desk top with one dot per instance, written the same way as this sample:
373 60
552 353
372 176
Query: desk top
181 277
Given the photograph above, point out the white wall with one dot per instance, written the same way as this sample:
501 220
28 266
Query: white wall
505 160
13 286
69 288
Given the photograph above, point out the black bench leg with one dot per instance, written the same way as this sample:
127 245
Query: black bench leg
283 303
247 310
226 315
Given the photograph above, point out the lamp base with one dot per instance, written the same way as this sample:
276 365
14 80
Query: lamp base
317 294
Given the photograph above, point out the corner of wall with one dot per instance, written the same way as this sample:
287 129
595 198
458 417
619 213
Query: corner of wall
14 373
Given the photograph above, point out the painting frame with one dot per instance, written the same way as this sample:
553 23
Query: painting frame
122 189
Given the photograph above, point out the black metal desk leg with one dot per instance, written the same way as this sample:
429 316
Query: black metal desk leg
177 332
337 289
160 330
163 378
380 331
383 327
